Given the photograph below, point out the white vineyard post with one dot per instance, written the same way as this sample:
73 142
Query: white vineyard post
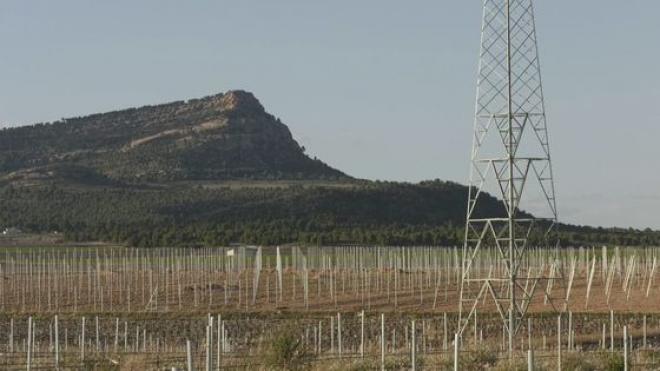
82 340
570 331
625 348
611 331
208 348
339 345
362 334
413 344
545 342
116 344
98 339
644 330
559 343
189 362
332 334
224 337
475 329
29 345
382 342
57 344
319 339
529 333
11 335
219 346
456 344
445 339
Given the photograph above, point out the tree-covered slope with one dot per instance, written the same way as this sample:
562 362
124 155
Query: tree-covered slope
193 214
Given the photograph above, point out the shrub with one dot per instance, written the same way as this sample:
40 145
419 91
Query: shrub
348 365
287 351
577 362
510 365
484 357
611 361
362 365
477 360
398 363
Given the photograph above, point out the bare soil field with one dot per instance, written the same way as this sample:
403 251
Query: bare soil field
339 307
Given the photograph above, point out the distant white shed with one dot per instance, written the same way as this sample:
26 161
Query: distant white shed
11 231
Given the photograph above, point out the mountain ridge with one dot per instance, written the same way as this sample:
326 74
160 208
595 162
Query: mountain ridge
218 137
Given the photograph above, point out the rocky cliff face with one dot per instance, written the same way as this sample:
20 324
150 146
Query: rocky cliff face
224 136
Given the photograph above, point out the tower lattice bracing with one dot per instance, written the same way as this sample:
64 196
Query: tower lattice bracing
510 160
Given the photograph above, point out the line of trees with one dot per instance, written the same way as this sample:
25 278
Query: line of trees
430 213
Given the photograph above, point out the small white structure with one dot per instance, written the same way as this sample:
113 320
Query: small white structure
11 231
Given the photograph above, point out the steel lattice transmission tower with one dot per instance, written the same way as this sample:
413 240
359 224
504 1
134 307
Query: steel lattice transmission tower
510 160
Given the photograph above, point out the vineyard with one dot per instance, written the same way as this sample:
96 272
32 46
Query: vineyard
315 307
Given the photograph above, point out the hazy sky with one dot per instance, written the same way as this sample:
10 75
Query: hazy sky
381 89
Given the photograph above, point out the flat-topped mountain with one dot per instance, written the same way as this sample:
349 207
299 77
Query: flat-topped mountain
219 137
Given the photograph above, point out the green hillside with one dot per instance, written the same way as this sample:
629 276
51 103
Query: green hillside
264 213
